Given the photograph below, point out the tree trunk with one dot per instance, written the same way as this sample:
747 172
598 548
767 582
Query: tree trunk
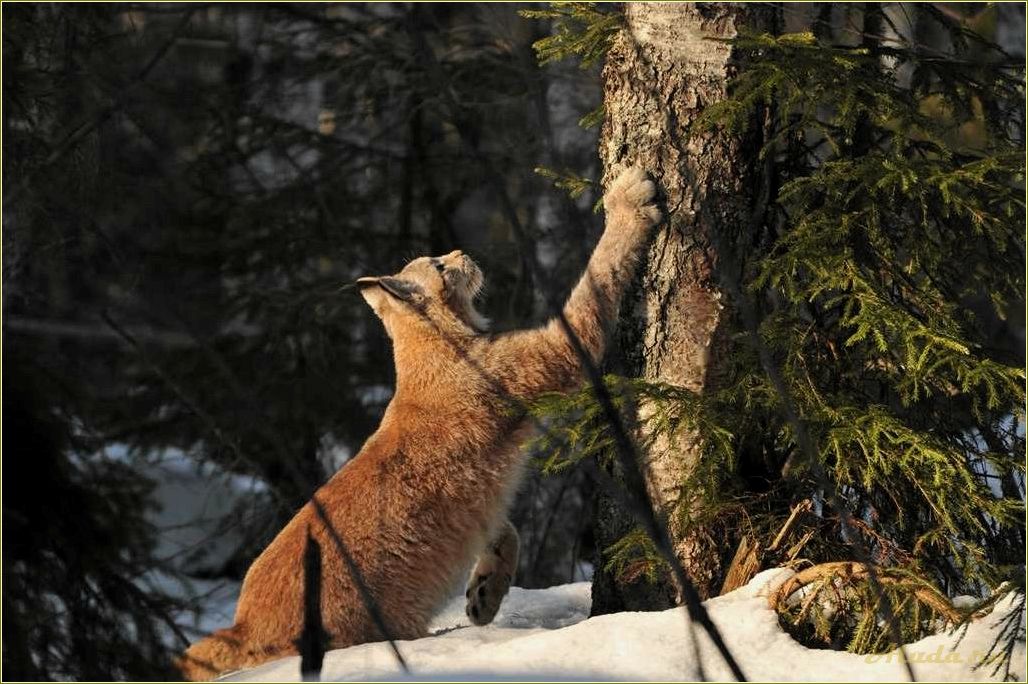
660 74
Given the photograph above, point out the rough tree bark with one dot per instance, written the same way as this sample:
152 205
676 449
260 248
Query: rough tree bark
661 72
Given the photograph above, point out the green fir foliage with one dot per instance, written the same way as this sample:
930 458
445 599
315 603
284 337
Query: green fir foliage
593 118
580 29
568 181
635 557
890 291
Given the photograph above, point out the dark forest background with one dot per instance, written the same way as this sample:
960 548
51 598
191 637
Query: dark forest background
187 190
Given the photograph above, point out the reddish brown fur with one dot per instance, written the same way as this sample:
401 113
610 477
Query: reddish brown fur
431 486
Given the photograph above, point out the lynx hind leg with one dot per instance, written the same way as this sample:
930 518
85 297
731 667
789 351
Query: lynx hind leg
491 577
633 192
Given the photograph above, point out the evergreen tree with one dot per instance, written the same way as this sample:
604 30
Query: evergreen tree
862 263
76 552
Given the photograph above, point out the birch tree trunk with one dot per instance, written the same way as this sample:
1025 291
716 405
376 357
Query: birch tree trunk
660 74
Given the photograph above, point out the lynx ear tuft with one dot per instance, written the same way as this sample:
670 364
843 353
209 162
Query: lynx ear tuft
366 282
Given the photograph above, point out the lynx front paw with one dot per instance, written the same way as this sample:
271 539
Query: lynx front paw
631 195
492 574
485 594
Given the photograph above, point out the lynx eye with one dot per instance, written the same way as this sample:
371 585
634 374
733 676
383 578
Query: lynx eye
439 266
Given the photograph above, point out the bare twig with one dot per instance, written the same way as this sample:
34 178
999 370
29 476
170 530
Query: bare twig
801 507
640 504
93 333
362 587
312 641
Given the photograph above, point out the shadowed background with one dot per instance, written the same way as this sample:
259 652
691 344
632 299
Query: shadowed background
187 188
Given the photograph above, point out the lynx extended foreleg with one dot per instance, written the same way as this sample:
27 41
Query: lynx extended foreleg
545 359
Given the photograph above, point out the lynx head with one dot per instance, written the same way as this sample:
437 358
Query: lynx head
439 291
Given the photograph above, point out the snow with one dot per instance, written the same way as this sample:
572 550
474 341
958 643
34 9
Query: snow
209 604
546 634
202 515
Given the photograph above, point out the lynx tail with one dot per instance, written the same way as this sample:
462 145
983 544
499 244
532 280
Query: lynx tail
217 654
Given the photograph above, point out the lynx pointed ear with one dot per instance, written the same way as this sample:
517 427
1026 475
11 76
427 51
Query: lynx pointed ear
374 295
401 289
377 291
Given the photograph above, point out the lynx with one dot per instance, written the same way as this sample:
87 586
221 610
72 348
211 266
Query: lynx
428 493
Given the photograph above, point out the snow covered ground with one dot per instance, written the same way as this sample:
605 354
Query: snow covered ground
547 635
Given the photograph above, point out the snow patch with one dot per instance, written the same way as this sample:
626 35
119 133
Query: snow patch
209 604
203 512
546 634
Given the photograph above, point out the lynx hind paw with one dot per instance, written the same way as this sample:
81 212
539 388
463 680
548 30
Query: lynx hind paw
485 594
633 191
